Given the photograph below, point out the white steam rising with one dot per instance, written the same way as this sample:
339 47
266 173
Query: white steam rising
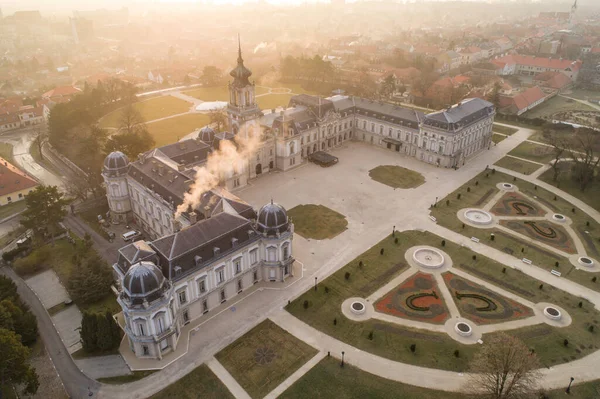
230 158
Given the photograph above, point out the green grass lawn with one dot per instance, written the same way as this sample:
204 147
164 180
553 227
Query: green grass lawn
328 380
583 94
317 221
554 105
435 350
389 340
271 101
200 383
154 108
486 187
90 217
503 129
518 165
170 130
533 152
396 176
264 357
590 196
496 138
218 93
124 379
11 209
6 152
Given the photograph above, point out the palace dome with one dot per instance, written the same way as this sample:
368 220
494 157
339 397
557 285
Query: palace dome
143 281
206 134
272 219
115 163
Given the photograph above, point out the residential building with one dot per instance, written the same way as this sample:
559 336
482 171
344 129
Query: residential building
523 101
530 65
14 183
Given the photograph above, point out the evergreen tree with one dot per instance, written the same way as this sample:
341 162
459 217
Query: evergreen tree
91 280
104 333
14 368
88 332
45 209
115 329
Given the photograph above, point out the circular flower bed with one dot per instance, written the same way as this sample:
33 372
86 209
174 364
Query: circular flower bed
585 261
552 313
357 307
559 218
463 329
430 258
506 186
477 216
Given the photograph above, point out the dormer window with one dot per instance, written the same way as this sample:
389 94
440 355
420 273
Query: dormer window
234 242
197 260
177 270
216 251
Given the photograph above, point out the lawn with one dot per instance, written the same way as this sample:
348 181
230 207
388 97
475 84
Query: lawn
170 130
396 176
391 341
583 94
590 196
554 105
503 129
271 101
219 93
200 383
11 209
317 221
90 217
154 108
34 151
328 380
435 350
496 138
533 152
264 357
518 165
6 152
483 188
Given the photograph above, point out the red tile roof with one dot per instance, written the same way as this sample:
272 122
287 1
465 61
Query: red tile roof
13 179
61 91
523 99
553 80
7 117
542 62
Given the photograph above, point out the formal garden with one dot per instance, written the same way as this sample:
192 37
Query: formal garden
153 108
200 383
534 152
396 176
317 221
518 165
543 242
486 292
264 357
565 182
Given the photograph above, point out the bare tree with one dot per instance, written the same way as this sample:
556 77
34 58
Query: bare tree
584 156
131 120
504 368
41 137
559 147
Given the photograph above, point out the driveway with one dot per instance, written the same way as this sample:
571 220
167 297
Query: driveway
103 366
68 323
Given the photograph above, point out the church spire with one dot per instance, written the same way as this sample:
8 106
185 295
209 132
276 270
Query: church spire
240 73
240 60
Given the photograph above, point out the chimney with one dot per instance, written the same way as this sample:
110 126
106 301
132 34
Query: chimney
193 217
176 225
206 212
141 158
180 167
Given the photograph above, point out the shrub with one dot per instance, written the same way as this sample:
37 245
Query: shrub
347 276
443 243
327 290
535 187
523 250
474 257
487 175
305 304
587 223
334 322
514 179
456 353
10 255
591 328
413 348
382 251
594 279
492 236
566 342
371 335
573 210
504 270
458 196
468 189
360 264
447 202
541 286
35 262
556 264
396 240
555 198
463 226
580 304
493 171
477 183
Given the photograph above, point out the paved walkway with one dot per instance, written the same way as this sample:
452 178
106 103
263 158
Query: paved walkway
281 388
103 366
227 379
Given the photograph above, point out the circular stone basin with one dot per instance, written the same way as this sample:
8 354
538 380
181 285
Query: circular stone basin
463 329
585 261
477 216
507 186
357 307
552 313
429 258
559 218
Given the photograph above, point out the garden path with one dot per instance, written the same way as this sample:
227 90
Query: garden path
227 379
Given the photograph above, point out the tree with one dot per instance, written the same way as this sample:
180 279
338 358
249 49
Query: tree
45 209
559 145
133 137
14 368
211 76
218 119
584 156
504 368
114 328
495 95
104 333
41 137
388 86
88 332
91 280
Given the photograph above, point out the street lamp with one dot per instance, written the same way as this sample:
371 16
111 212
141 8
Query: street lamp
568 388
342 364
315 283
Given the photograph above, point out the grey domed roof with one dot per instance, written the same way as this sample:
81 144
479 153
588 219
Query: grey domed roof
115 162
206 134
143 280
272 219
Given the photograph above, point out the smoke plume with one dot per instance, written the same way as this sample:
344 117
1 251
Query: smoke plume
230 158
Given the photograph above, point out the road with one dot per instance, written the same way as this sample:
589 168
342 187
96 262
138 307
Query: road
76 383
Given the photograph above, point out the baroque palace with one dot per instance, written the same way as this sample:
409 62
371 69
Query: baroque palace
195 262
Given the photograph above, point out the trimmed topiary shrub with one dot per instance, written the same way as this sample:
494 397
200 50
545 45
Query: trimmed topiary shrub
413 348
305 304
347 276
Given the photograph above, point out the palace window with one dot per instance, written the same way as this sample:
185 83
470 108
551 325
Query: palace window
204 306
253 256
202 286
220 275
182 298
237 266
